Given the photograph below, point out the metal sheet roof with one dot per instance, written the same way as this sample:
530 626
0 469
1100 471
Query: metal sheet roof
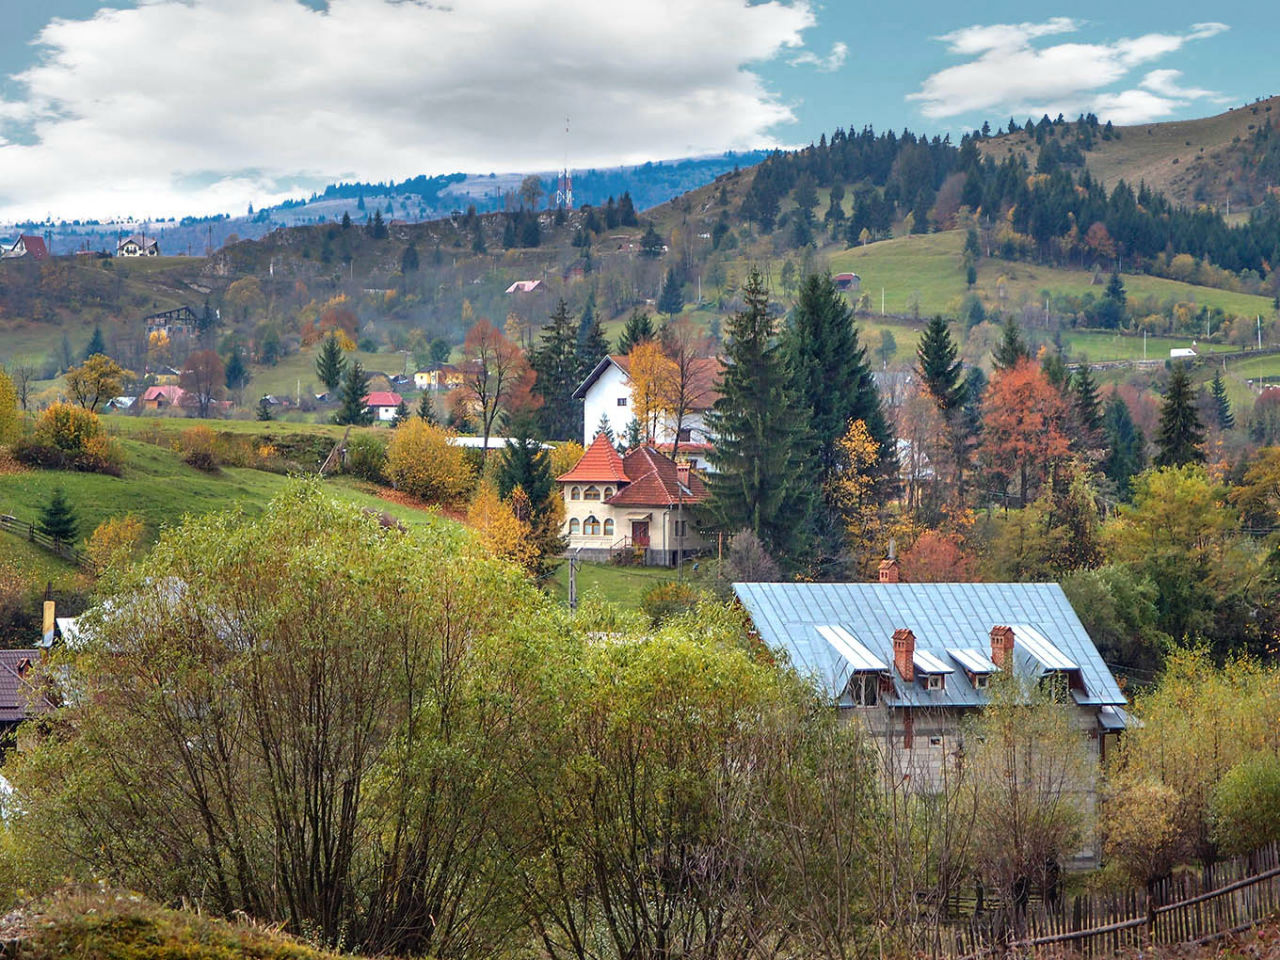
945 617
926 662
1041 647
975 661
860 659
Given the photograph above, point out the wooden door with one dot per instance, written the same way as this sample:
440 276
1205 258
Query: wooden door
640 533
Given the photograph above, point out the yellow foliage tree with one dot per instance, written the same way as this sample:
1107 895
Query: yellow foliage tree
95 381
850 490
564 456
501 531
10 424
116 540
652 374
67 427
422 462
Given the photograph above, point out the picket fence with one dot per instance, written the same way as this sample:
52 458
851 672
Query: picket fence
1193 907
29 532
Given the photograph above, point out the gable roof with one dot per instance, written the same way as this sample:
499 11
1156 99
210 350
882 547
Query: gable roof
655 482
382 398
704 377
19 697
34 246
600 464
952 624
169 392
139 240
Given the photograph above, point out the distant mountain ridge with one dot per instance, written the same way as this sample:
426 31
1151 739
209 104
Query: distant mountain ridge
415 199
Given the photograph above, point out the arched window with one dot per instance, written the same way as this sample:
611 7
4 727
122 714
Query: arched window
574 526
608 528
591 527
591 493
575 493
608 492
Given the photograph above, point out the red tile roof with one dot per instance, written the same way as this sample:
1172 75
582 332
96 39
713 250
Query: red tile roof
19 697
656 481
382 398
34 246
170 393
600 464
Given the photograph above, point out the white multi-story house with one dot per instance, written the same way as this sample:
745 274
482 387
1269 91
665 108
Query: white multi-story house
138 245
606 397
639 504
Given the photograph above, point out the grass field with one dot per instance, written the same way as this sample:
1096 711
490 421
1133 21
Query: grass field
160 489
930 268
625 585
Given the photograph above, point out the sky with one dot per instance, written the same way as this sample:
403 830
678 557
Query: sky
154 108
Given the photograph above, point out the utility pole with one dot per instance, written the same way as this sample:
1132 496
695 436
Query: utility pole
882 301
1259 331
573 582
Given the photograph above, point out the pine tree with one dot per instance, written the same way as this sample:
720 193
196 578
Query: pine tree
1011 347
555 360
830 377
1221 405
58 519
651 244
1084 389
638 328
264 410
346 220
1180 431
940 370
763 483
330 362
627 211
96 344
635 435
508 232
527 467
1126 455
237 373
409 259
427 409
671 299
606 428
477 239
592 346
355 387
402 414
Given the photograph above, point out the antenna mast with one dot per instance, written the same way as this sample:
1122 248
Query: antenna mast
564 185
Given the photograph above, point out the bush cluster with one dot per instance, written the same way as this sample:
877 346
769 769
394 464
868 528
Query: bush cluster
68 437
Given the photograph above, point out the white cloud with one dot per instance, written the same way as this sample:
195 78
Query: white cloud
1008 74
828 64
188 106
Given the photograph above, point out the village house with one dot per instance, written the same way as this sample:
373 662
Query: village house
26 246
438 376
524 286
20 696
138 245
606 397
383 404
640 504
913 661
847 282
162 397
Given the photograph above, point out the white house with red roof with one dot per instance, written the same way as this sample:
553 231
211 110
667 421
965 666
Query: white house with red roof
383 404
641 502
606 398
27 246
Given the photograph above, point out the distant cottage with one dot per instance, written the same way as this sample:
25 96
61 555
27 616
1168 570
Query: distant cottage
26 246
138 245
847 282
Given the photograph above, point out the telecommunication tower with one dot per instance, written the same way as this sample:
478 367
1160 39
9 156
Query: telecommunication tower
564 185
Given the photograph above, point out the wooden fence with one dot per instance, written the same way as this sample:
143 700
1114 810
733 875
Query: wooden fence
29 532
1191 907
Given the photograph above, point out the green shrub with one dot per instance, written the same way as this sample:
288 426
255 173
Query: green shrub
1245 809
366 457
666 600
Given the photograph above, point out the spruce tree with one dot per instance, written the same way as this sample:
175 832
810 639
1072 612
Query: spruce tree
330 362
829 373
264 410
237 373
57 518
1084 389
638 328
355 387
1126 453
409 259
526 465
940 370
555 360
427 409
627 211
651 244
606 428
635 435
671 299
763 483
592 346
1180 431
1011 347
1221 405
402 414
96 344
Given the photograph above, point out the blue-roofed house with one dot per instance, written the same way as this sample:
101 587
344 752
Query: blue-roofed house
914 660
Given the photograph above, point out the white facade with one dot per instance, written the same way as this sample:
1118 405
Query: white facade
609 397
591 525
384 412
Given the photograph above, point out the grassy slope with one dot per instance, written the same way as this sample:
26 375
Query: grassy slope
1166 156
625 585
161 489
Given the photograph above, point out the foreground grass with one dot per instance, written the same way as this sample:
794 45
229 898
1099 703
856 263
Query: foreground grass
103 926
625 586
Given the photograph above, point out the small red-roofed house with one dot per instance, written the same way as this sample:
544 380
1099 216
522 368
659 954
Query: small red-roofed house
27 246
383 404
641 502
162 397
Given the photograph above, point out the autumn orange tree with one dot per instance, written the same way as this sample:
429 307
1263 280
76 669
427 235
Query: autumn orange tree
1023 426
652 374
496 374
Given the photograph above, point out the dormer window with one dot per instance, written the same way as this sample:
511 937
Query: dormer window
935 681
980 681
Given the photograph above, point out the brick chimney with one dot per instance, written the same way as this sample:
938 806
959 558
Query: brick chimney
48 619
1001 645
904 651
682 473
889 570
